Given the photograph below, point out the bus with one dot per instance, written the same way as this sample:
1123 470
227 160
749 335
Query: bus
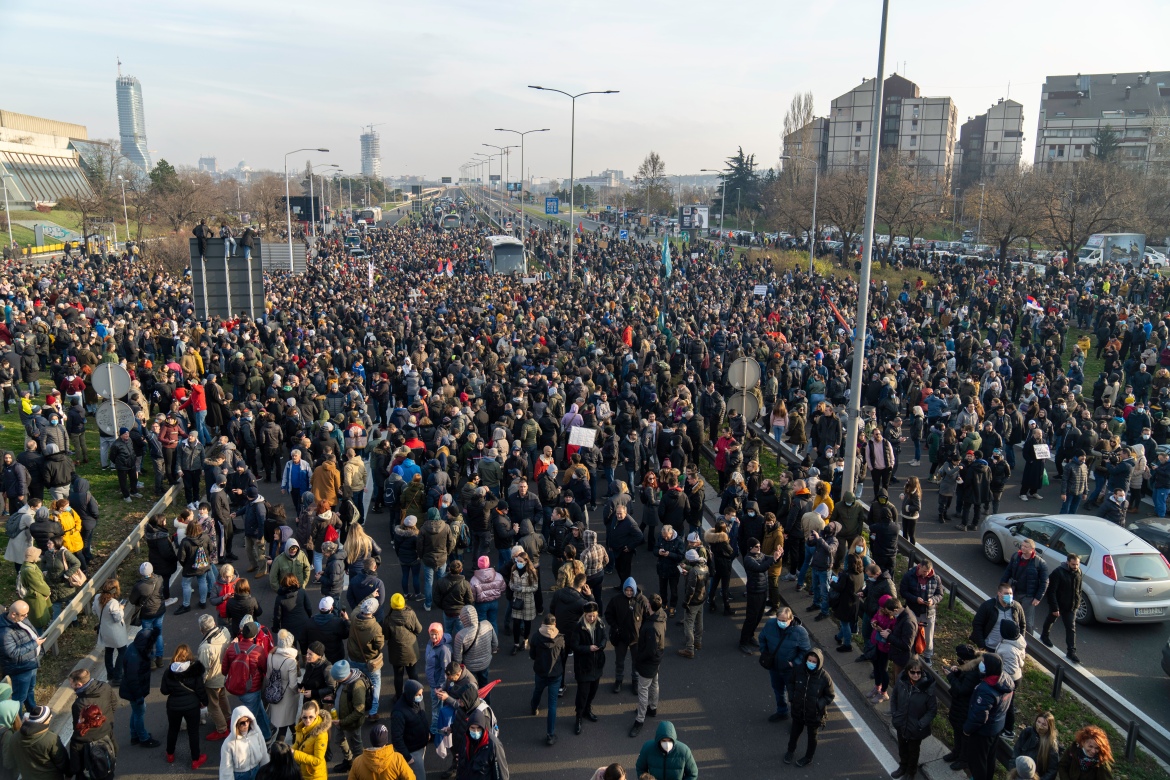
371 214
506 255
451 222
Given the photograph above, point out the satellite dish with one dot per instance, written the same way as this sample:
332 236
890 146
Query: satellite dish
746 404
110 380
743 373
113 415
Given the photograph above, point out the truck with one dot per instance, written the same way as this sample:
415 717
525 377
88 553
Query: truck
1122 248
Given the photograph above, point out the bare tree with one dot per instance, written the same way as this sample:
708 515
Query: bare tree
264 198
798 120
651 187
1078 200
842 202
1011 208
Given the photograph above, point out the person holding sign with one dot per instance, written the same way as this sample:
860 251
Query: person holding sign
1035 454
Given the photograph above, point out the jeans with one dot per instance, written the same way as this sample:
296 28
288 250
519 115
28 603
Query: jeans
1073 503
1160 495
138 720
375 676
799 725
252 701
428 581
820 589
1098 485
409 569
188 585
778 432
553 685
489 611
779 679
114 667
24 688
436 705
809 549
155 623
845 633
201 426
505 556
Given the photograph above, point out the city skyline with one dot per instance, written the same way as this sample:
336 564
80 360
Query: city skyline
240 91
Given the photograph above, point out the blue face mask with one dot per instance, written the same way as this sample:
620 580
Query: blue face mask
782 623
418 699
812 665
982 668
859 550
519 564
1007 599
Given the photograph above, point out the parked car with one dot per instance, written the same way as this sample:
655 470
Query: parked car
1126 579
1155 530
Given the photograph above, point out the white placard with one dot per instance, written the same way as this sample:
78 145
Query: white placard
760 289
581 436
694 255
529 280
1042 451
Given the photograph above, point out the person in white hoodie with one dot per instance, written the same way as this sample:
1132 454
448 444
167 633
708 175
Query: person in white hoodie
244 752
1013 649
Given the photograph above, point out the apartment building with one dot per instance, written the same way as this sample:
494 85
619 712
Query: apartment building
990 142
810 142
920 130
1075 109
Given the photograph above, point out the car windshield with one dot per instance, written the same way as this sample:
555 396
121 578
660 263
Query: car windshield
1142 567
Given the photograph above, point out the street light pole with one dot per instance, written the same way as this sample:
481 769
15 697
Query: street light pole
125 211
8 214
722 199
572 156
979 229
523 241
288 205
859 329
816 176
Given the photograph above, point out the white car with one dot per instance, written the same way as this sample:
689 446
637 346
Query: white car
1155 258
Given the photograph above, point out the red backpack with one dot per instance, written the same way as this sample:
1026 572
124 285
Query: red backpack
239 676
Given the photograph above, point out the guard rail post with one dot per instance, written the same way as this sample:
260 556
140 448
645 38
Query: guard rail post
952 594
1058 683
1131 737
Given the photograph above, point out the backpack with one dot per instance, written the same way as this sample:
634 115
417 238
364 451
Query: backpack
239 674
21 590
202 564
369 691
99 763
12 527
463 535
920 640
331 534
274 690
557 538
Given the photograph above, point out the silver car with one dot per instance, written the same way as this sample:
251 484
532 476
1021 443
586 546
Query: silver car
1126 580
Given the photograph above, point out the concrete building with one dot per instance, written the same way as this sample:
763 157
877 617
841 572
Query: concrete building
921 130
371 154
208 164
990 142
40 159
132 121
810 142
1074 109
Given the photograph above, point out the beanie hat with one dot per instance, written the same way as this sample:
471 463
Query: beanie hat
40 714
692 537
146 569
1008 629
379 736
340 670
317 648
993 663
397 601
692 556
484 562
325 604
436 627
965 652
410 521
252 493
368 607
250 630
1025 768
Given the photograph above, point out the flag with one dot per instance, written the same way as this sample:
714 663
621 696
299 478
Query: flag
1033 305
667 269
370 271
580 227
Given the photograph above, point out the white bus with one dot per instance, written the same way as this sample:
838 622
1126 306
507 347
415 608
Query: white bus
506 255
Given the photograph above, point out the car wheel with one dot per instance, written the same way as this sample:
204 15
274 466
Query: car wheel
1085 614
992 549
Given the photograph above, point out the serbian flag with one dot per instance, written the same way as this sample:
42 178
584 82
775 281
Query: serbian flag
580 227
1031 304
370 271
450 268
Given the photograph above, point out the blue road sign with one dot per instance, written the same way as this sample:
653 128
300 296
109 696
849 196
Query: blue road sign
623 235
552 206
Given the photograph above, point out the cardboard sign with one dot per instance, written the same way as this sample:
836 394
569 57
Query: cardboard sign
581 436
1042 451
760 289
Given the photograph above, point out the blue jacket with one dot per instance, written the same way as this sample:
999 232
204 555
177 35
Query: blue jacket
255 516
989 707
437 659
18 646
789 645
296 477
1029 579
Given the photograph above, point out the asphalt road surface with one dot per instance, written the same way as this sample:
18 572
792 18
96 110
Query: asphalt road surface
719 703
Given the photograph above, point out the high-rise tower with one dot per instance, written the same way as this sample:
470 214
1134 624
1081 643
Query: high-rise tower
371 153
132 121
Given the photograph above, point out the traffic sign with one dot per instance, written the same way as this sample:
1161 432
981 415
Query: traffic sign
552 205
508 224
743 373
605 230
624 235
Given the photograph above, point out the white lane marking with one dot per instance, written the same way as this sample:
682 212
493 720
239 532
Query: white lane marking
876 744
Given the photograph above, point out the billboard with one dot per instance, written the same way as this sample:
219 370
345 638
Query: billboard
513 186
300 206
446 180
692 217
493 177
226 287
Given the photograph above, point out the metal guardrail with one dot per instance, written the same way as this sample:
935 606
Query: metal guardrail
81 601
1139 728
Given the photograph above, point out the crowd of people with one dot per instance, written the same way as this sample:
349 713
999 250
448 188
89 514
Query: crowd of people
444 405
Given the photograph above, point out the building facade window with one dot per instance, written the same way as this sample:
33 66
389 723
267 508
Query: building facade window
914 140
913 124
857 140
857 126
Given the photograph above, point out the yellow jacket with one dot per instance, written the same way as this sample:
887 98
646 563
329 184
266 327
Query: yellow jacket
310 745
71 522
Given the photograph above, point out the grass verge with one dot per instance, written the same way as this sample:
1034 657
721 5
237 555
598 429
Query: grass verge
117 519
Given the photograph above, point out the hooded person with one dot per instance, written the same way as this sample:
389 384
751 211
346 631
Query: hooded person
665 758
311 741
244 751
9 736
987 715
291 561
623 617
380 761
479 754
810 692
410 726
475 644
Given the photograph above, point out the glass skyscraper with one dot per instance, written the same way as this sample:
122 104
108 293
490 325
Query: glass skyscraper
132 122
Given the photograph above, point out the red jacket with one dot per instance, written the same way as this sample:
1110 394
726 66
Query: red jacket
257 661
198 399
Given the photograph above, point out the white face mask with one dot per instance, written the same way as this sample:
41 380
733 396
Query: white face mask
475 734
667 745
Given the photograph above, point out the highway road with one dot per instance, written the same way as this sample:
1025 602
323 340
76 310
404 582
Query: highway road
719 703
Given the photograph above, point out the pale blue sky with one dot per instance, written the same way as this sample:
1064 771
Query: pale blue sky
251 79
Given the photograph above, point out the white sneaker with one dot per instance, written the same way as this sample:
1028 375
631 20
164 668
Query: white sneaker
128 500
172 601
1023 498
1037 496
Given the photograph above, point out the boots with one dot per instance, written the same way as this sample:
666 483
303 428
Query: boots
617 686
727 609
577 725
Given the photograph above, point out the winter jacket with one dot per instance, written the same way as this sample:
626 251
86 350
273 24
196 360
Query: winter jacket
913 706
913 588
452 593
331 630
487 585
624 615
309 745
1028 577
384 763
401 629
476 642
41 756
902 637
237 606
651 644
350 701
365 641
546 647
789 646
210 654
409 723
988 616
989 707
136 671
675 548
1028 744
284 564
1064 589
291 611
436 542
184 687
254 655
756 567
1074 765
19 651
678 764
588 664
810 692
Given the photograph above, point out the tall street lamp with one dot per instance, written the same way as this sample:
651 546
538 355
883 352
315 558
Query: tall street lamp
8 214
312 202
503 153
816 177
572 152
288 206
521 134
979 229
722 198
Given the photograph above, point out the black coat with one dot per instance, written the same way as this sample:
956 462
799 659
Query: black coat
588 664
849 588
651 644
624 617
963 683
810 692
546 653
184 690
292 612
410 726
1064 589
913 706
567 604
136 673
